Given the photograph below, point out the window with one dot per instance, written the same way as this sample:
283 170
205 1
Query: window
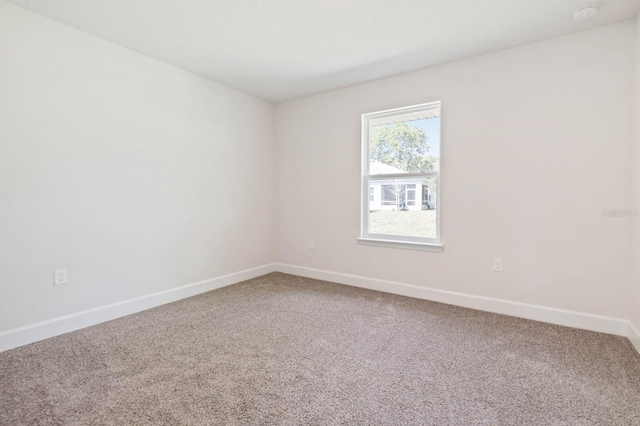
411 195
392 194
401 163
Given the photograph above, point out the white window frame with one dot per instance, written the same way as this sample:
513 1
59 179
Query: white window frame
396 241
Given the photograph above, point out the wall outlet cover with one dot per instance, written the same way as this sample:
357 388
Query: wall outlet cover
498 265
59 276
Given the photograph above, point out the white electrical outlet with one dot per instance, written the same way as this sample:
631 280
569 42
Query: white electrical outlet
59 276
312 244
498 265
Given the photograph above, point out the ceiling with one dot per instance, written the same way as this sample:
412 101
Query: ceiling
279 50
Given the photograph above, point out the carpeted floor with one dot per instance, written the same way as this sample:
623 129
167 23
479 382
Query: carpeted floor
282 349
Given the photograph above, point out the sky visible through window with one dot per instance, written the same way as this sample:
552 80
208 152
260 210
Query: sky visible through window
431 128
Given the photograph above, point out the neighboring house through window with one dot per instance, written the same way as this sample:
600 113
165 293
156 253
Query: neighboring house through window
400 177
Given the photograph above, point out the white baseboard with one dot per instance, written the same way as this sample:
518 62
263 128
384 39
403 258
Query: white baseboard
33 333
634 336
599 323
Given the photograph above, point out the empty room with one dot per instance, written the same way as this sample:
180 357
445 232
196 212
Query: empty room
323 212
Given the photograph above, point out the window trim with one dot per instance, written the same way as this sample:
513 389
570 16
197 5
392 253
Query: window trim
408 245
403 242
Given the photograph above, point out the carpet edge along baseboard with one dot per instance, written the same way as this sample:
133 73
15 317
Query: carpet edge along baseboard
32 333
21 336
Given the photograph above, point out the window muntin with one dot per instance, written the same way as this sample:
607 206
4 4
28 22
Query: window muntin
401 163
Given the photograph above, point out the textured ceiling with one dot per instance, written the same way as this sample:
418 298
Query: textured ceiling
284 49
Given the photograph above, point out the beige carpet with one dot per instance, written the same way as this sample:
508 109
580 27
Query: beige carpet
281 349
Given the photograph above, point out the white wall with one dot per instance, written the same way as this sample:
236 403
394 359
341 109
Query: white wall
635 299
134 175
536 142
139 177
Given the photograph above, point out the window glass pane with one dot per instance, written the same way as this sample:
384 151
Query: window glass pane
411 195
393 193
408 208
406 143
428 193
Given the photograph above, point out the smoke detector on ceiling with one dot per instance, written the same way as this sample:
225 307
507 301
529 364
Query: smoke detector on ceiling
585 12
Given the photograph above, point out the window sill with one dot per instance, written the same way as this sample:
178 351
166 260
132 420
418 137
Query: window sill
407 245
